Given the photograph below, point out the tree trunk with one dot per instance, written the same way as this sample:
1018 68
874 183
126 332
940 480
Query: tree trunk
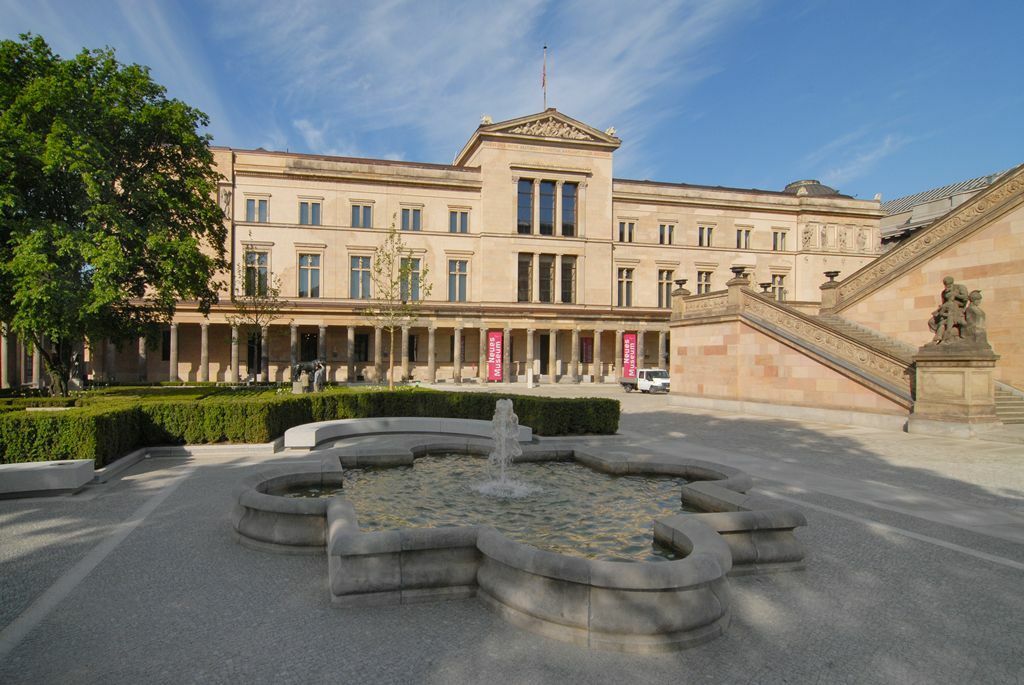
391 358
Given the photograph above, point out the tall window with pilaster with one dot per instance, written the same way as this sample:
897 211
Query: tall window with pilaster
410 286
524 221
547 208
546 272
665 287
457 287
359 278
570 191
625 289
705 236
666 233
309 275
256 273
525 289
568 279
779 287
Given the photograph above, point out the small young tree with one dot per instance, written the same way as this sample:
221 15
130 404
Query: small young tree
256 297
400 285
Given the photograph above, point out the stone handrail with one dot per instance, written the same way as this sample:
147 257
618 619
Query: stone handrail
829 341
1001 196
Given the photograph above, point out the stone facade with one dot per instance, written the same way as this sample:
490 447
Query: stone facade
645 234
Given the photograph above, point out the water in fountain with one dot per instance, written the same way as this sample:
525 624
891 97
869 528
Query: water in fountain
506 448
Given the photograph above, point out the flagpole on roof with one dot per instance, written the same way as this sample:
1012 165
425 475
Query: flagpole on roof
544 77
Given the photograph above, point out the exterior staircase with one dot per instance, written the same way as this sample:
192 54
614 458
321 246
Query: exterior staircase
1009 403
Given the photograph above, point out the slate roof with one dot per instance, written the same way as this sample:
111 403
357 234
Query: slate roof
903 204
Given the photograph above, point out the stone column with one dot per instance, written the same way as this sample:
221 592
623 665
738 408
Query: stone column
529 352
233 374
204 352
506 357
378 352
5 369
618 353
350 353
405 353
457 355
662 356
143 360
431 361
574 356
321 343
294 350
37 366
640 358
553 355
596 370
265 353
482 363
172 370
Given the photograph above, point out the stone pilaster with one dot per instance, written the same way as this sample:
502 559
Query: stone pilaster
553 355
618 352
233 374
321 343
662 352
506 358
172 365
457 355
529 352
204 352
431 356
405 354
143 361
350 353
378 353
293 331
574 356
265 353
596 369
482 363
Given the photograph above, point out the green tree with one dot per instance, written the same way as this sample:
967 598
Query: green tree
108 214
400 284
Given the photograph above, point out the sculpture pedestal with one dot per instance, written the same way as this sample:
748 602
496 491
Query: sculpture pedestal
954 392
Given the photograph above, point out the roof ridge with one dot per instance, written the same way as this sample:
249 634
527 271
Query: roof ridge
902 204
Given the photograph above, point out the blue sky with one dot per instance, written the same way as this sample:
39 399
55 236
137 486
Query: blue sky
870 97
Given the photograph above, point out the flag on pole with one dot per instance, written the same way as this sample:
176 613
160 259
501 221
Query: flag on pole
544 77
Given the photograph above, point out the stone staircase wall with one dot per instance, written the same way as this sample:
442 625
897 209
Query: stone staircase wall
980 244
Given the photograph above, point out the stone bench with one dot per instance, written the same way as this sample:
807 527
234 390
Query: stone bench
312 434
44 477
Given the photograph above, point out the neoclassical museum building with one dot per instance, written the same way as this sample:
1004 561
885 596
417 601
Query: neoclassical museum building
537 254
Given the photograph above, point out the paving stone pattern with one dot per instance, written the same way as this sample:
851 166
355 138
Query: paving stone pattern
178 600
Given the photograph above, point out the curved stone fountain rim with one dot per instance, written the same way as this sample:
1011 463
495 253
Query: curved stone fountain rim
595 603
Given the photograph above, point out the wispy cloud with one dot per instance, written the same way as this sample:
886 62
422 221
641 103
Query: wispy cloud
372 74
858 162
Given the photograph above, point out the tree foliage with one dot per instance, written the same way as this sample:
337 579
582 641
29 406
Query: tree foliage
108 214
398 289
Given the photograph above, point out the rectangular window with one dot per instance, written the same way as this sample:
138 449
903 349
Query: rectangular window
255 273
625 291
778 287
361 351
703 282
309 275
359 278
525 289
547 207
569 193
362 216
742 238
309 213
704 236
256 211
779 241
665 287
411 219
458 221
626 230
666 234
457 270
410 273
525 207
568 279
546 271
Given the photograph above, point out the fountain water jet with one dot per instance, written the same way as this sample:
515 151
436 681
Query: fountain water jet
506 448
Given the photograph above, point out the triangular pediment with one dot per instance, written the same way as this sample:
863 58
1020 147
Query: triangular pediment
549 125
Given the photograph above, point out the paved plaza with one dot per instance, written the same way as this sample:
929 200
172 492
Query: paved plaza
915 570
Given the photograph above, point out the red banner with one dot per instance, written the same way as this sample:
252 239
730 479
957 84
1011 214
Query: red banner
494 355
629 355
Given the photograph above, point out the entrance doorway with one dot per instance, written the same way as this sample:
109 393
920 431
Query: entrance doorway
307 347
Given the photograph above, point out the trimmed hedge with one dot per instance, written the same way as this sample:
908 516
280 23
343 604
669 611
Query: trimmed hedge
105 431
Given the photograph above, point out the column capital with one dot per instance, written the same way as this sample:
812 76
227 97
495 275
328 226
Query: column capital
204 324
294 326
174 325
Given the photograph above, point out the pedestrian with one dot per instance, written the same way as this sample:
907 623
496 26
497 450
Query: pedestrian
318 377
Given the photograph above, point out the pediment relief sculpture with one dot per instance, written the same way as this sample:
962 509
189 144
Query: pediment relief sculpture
550 128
